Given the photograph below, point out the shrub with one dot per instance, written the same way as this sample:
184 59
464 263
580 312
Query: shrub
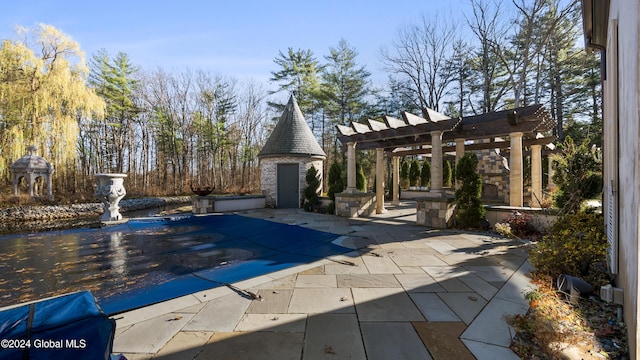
503 229
404 174
331 208
577 175
576 246
520 225
336 184
446 173
361 179
414 173
425 173
311 191
470 210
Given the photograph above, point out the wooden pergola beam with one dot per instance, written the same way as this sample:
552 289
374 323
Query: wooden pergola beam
478 146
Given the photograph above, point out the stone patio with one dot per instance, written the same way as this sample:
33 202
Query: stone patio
410 293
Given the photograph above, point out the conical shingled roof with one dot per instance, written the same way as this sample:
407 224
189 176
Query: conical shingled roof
292 135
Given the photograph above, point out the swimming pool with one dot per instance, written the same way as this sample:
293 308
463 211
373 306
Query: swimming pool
148 260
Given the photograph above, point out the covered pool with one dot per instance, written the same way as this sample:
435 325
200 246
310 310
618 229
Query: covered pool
149 260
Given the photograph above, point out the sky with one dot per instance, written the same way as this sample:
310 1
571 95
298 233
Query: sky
232 38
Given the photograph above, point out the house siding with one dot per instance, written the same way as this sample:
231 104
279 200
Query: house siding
626 179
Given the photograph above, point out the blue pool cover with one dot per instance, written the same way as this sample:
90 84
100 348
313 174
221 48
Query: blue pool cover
150 260
221 249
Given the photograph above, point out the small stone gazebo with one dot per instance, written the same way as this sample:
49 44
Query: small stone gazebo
289 152
34 169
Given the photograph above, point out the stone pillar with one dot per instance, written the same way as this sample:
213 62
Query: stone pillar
379 181
396 180
536 175
459 155
436 161
351 167
515 170
459 149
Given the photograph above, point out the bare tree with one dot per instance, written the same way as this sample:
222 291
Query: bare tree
527 43
486 26
420 54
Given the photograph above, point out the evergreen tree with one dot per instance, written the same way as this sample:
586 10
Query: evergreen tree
344 86
425 173
336 184
361 179
114 79
312 189
446 173
298 74
404 172
414 173
470 210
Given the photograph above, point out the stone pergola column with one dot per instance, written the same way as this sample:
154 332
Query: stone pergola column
515 170
396 180
536 175
351 167
436 161
459 155
459 149
379 181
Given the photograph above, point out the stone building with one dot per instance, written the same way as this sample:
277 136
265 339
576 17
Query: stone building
285 158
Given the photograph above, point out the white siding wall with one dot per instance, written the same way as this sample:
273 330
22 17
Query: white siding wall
626 12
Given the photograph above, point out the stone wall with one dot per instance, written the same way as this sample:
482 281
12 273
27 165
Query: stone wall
435 212
493 173
269 175
356 204
213 203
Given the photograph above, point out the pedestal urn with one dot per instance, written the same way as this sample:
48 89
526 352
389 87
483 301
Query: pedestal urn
110 190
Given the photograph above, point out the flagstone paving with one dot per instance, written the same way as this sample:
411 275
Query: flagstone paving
405 292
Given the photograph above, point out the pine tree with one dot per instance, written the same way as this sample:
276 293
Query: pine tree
298 74
114 79
344 86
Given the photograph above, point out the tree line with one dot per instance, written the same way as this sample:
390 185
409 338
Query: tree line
169 130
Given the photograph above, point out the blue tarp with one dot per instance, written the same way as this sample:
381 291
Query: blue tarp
66 327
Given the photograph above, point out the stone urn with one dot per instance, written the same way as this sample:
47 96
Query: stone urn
110 190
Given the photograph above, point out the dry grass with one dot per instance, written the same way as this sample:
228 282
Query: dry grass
555 328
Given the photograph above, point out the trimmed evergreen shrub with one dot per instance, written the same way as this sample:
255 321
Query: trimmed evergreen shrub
425 173
336 184
404 173
311 191
470 210
361 179
446 173
414 173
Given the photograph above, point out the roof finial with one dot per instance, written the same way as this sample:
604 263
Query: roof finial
32 150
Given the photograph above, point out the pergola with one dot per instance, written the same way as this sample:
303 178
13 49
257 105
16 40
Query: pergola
435 134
